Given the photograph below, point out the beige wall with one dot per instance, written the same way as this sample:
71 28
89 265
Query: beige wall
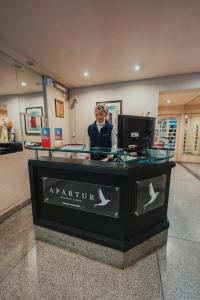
192 109
18 103
12 105
14 186
56 122
14 180
172 110
14 177
139 97
31 100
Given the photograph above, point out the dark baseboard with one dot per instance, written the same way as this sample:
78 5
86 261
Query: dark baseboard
191 171
14 210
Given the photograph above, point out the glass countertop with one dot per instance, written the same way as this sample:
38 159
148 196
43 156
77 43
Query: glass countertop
78 149
119 155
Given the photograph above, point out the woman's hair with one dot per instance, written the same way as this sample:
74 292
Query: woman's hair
101 107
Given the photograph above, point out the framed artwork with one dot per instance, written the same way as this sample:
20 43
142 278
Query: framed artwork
59 108
35 111
32 124
114 109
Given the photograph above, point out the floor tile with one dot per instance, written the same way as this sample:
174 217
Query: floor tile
180 269
180 173
48 272
184 206
16 238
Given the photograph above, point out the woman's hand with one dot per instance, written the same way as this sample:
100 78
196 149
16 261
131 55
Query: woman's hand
88 157
110 157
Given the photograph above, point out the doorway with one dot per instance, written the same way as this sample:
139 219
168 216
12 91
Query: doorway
179 123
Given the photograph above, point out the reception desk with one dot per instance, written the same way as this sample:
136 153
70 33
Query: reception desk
115 212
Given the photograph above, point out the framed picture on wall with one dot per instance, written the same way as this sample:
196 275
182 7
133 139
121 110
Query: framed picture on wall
35 111
114 109
59 108
32 124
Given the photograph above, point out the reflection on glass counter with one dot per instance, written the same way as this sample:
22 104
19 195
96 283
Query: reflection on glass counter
111 154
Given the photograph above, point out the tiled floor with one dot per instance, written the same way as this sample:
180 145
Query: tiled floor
35 270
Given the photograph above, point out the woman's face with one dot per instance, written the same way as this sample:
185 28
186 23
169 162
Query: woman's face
100 115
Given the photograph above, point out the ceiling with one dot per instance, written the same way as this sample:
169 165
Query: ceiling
12 75
106 38
179 97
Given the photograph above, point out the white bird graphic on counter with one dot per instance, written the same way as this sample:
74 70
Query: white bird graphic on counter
152 194
104 201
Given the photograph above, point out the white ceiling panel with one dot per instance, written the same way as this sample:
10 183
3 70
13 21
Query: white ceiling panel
104 37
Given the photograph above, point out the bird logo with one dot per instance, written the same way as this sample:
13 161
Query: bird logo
104 201
152 195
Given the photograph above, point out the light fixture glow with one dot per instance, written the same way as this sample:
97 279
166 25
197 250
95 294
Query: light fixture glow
86 74
168 101
137 67
23 83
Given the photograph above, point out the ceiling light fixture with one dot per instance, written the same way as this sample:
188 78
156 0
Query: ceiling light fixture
137 67
168 101
23 83
86 74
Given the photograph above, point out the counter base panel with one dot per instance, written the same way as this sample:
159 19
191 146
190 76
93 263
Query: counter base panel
107 255
102 240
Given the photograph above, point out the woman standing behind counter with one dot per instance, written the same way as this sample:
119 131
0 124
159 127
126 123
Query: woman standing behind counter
101 133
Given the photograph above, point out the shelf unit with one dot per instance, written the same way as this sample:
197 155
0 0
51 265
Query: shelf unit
167 131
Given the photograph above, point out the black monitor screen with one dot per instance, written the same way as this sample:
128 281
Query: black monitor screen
135 129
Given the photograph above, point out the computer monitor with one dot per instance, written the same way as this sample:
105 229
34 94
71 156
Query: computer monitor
135 131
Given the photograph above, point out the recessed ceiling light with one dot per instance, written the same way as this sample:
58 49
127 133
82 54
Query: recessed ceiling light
168 101
86 74
23 83
137 67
